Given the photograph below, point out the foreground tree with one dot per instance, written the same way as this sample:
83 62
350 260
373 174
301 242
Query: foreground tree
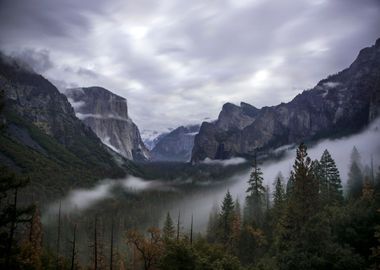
168 230
255 199
226 218
11 216
150 248
302 204
278 196
330 183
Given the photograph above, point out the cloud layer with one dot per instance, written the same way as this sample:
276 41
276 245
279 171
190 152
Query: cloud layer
177 62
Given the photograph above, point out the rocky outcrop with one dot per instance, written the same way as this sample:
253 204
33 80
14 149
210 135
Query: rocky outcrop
176 145
107 115
340 104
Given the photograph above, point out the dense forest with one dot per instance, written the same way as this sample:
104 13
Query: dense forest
309 222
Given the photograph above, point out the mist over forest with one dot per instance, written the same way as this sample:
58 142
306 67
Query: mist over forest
190 135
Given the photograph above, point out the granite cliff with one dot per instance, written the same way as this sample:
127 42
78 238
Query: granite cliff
42 137
341 104
107 115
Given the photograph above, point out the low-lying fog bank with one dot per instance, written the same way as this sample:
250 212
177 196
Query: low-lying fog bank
199 204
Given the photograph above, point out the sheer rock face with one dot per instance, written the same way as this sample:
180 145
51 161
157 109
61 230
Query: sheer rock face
340 104
176 145
107 115
38 101
32 99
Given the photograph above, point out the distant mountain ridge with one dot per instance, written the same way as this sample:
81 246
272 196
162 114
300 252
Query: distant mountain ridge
340 104
151 137
175 145
107 115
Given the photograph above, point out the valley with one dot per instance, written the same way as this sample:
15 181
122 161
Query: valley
86 182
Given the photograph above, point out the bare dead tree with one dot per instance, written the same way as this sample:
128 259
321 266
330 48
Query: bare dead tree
191 230
73 252
58 233
111 246
95 244
178 225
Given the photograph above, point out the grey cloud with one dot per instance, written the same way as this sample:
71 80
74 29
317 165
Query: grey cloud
81 71
177 62
38 60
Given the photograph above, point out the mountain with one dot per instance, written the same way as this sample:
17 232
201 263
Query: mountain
151 137
107 115
42 137
176 145
340 104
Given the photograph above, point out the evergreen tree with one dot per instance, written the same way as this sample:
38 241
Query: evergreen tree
290 185
331 185
355 176
226 218
2 103
168 230
278 195
255 199
302 205
236 226
212 225
304 199
317 172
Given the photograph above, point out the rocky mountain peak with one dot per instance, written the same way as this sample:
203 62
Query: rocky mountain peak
101 100
342 103
234 116
107 115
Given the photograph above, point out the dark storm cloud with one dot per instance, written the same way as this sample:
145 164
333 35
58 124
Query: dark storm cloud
177 62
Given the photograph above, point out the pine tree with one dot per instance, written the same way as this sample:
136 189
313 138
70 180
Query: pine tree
168 230
331 185
255 199
212 225
304 198
301 206
355 176
267 197
226 218
236 226
322 181
2 104
278 195
290 185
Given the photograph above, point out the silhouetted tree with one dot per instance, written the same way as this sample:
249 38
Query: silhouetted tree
255 197
226 218
355 176
168 230
330 183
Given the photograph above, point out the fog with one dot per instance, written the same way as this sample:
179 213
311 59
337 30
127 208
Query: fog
367 142
225 162
82 199
201 203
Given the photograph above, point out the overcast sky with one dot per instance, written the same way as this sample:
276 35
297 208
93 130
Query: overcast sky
178 62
